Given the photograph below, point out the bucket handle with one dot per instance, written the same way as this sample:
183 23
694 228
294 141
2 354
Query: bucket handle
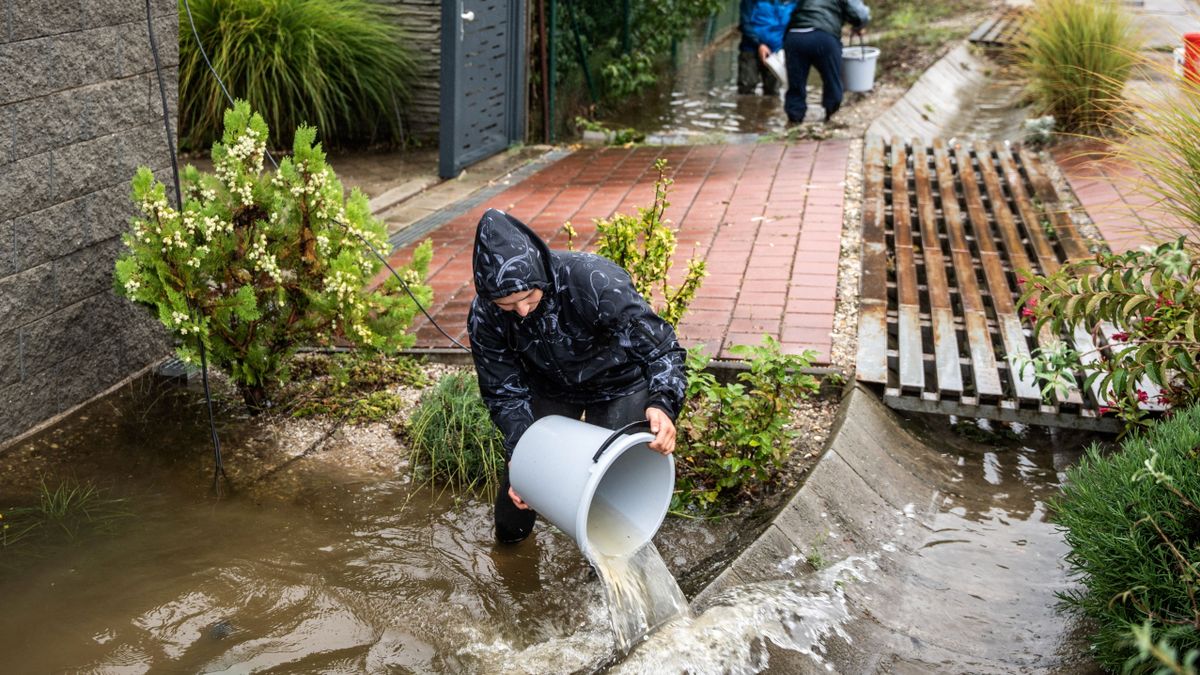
640 424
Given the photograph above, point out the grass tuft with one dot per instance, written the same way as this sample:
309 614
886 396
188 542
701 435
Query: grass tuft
1079 54
452 436
338 65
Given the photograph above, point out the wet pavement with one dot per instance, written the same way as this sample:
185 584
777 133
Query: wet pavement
766 217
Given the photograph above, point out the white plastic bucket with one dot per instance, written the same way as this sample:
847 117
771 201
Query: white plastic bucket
858 68
606 490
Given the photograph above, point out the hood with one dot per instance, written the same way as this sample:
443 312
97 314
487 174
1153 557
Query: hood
509 257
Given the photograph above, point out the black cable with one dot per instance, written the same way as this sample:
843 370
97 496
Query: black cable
219 467
196 34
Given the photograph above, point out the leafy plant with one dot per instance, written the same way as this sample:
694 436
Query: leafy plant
336 64
644 246
356 386
1148 303
733 437
452 437
1130 519
1078 54
258 264
1162 652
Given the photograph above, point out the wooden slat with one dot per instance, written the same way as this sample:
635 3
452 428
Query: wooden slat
1030 216
1072 243
945 337
872 318
984 370
983 29
1011 332
1014 247
912 367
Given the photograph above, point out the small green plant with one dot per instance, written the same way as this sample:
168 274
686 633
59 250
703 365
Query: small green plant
452 437
645 246
1148 300
337 64
734 437
259 264
1160 657
357 386
1130 519
1078 54
67 507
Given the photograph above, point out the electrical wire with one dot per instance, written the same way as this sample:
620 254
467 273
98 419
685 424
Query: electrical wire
218 465
196 34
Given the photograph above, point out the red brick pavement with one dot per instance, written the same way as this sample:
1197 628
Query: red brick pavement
1113 192
767 218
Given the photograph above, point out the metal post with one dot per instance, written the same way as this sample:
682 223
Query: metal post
553 29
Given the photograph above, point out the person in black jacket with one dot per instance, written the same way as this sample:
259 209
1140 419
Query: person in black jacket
814 39
564 333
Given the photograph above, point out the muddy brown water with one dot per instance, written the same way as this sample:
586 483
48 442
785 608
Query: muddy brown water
327 572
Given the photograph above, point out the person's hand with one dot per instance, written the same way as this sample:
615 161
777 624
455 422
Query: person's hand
763 52
517 501
663 429
857 31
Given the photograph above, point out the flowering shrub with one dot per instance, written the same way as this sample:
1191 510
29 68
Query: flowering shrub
1141 308
258 264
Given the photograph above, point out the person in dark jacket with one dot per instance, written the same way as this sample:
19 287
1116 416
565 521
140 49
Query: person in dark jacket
814 38
762 23
564 333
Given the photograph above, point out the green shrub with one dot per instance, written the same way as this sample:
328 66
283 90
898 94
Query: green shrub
1078 54
339 65
733 437
1132 520
259 264
1150 297
452 437
66 507
645 246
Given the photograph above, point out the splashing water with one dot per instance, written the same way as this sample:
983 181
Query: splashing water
641 592
730 636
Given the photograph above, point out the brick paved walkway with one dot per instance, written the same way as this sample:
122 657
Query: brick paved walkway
766 217
1110 190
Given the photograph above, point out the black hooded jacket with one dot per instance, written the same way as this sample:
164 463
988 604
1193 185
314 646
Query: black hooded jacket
592 337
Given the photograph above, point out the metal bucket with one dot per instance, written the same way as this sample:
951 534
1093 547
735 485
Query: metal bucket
606 490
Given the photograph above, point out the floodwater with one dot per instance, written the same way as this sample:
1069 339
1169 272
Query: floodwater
337 574
701 100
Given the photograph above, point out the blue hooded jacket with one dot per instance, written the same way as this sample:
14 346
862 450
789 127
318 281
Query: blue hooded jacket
592 337
767 22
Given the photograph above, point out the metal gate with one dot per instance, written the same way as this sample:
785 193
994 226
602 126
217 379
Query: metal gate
483 80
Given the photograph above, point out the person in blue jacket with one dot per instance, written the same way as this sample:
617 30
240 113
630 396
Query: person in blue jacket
763 23
814 39
564 333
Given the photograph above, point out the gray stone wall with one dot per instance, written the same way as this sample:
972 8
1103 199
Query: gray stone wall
79 112
420 21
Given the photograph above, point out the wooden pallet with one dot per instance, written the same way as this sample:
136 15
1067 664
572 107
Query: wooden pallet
1006 30
946 229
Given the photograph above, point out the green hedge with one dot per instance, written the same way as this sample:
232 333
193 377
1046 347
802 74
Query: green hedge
338 65
1132 519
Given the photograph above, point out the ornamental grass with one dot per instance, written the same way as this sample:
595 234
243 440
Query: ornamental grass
452 436
1132 519
338 65
1078 55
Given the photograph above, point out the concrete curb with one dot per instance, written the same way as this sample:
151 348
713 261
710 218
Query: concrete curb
880 493
935 99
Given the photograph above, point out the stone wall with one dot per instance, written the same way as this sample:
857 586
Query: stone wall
420 21
79 112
